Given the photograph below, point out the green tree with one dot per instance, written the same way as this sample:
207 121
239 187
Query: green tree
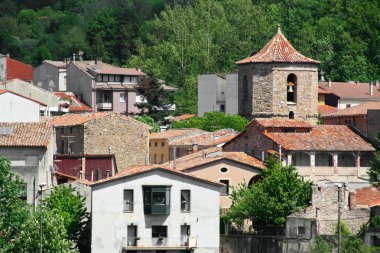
13 210
374 170
269 201
149 121
212 121
71 206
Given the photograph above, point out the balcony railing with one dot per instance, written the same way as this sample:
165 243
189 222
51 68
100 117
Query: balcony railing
104 105
180 243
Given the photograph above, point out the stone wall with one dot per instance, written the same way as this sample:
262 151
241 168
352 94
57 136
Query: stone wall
359 122
250 244
69 138
124 137
267 90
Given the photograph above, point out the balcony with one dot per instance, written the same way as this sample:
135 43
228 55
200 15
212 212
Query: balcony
165 243
104 106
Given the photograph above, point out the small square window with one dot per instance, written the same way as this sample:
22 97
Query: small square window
162 144
301 230
128 200
224 190
159 231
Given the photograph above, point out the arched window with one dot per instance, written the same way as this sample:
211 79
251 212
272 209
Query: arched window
300 159
324 159
291 88
291 115
254 179
245 88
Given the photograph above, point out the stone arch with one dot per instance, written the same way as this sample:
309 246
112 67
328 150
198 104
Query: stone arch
254 179
291 115
324 159
291 88
300 159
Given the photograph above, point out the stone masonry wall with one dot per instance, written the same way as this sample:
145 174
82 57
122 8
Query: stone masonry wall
267 87
71 134
126 138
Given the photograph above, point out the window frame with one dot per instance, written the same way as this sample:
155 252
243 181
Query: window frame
184 210
159 233
131 209
148 199
122 97
227 187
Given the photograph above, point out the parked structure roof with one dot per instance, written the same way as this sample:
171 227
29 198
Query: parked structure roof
355 110
174 134
25 134
349 90
368 196
207 138
104 68
278 49
75 105
322 138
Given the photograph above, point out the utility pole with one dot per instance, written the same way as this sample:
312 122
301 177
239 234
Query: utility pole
339 227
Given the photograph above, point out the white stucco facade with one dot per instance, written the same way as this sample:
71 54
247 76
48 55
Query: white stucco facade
15 108
110 222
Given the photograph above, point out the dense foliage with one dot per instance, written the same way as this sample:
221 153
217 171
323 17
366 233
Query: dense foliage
180 39
212 121
149 121
350 244
270 200
374 170
63 213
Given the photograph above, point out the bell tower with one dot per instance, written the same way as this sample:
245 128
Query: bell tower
278 82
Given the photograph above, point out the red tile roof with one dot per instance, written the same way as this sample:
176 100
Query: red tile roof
322 138
104 68
19 70
75 104
281 123
70 119
351 90
355 110
368 196
26 135
174 134
322 90
278 49
208 138
184 116
326 109
140 169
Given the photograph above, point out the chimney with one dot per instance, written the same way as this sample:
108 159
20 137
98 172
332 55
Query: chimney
370 89
174 156
352 200
329 83
74 57
83 172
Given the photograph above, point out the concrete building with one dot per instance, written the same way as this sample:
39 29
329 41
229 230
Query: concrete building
154 209
33 92
51 75
17 108
343 95
218 92
13 69
68 102
30 149
365 118
227 168
320 152
103 133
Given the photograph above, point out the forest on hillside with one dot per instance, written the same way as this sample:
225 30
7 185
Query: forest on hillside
179 39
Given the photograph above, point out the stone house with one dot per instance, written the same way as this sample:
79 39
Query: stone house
320 152
227 168
343 95
155 209
365 118
51 75
30 149
102 133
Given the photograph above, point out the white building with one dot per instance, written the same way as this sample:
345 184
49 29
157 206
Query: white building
17 108
155 209
218 93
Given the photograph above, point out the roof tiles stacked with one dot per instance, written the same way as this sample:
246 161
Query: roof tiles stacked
25 134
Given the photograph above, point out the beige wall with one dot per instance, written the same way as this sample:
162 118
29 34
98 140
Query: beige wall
159 153
237 173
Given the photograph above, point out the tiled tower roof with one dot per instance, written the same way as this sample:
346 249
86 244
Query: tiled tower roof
278 49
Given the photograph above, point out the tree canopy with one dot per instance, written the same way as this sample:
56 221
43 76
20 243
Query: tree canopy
270 200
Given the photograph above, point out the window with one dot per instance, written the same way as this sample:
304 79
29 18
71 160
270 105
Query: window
132 235
185 233
133 79
117 79
155 144
185 200
245 89
155 159
291 88
224 190
222 108
99 78
71 130
122 97
156 199
105 78
348 105
301 230
127 79
162 144
223 170
162 158
62 130
128 200
111 78
291 115
31 160
150 144
62 147
159 231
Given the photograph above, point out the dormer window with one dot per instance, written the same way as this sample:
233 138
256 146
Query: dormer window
291 89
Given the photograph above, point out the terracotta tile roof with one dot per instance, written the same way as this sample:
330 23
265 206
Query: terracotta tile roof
26 135
351 90
322 90
174 134
208 138
186 163
140 169
278 49
75 104
326 109
31 99
70 119
283 123
104 68
184 116
58 64
355 110
368 196
322 138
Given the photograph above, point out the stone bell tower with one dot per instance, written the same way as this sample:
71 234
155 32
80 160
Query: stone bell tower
278 82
